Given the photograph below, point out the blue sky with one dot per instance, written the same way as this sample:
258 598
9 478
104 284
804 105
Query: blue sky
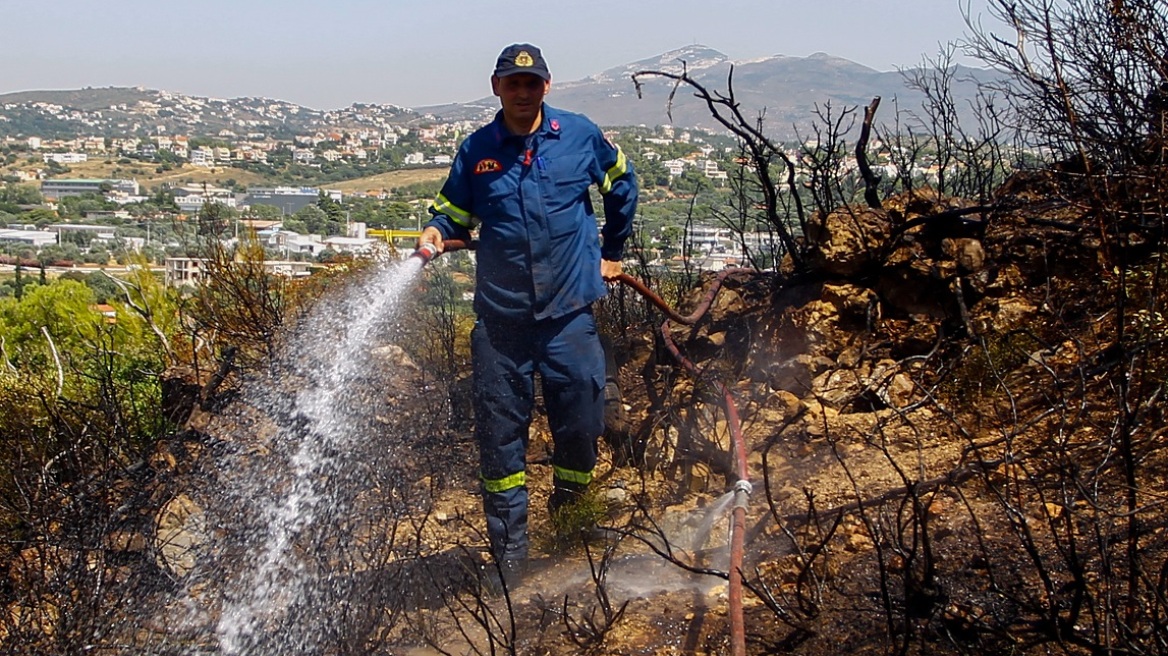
328 55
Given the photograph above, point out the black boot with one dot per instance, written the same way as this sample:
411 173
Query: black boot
565 494
503 577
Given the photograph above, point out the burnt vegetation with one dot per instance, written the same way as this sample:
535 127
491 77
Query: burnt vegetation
951 387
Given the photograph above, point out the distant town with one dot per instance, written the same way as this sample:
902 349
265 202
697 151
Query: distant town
100 184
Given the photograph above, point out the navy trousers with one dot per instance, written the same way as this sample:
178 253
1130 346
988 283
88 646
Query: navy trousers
567 354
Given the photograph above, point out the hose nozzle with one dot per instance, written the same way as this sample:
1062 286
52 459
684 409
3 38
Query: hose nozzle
426 252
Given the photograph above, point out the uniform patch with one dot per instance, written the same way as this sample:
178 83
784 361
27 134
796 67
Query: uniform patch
487 166
555 124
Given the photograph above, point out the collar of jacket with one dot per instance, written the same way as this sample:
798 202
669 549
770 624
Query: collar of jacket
549 126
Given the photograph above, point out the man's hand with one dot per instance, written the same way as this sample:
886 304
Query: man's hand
431 235
610 270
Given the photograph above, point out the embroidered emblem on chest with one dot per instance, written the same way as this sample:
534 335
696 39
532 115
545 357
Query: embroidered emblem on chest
487 166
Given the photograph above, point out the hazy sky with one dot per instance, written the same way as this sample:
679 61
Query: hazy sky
327 55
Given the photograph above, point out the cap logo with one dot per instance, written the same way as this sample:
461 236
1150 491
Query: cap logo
524 59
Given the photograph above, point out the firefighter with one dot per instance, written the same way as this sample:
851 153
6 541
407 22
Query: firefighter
522 182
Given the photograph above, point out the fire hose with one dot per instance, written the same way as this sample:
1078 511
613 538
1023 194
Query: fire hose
742 487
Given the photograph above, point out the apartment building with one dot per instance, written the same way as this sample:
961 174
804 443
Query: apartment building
61 187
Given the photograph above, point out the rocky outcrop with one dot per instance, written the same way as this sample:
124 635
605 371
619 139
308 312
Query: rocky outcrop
839 353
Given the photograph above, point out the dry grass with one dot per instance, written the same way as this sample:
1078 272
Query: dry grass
391 180
145 174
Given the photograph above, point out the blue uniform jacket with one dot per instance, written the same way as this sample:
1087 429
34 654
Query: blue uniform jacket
538 252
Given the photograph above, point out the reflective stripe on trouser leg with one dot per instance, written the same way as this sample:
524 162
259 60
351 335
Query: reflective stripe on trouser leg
502 402
506 514
573 388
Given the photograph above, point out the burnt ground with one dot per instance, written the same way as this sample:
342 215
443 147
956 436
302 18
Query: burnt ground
955 448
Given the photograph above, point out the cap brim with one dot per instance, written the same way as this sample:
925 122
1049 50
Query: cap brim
545 76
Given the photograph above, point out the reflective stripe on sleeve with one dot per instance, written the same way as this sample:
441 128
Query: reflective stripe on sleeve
442 205
572 476
610 176
518 479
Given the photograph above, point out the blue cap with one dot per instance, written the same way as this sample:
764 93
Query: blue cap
522 58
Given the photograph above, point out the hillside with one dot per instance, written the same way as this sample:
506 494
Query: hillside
119 112
909 426
937 426
788 88
87 99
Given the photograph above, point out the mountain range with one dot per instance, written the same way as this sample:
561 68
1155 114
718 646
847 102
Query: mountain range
787 90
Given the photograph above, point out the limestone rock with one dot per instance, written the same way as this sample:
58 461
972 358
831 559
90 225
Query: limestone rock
969 254
845 241
182 531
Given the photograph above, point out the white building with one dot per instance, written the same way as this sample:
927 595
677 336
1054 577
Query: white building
291 243
675 166
35 238
184 271
192 203
66 158
711 171
288 269
708 239
192 270
202 156
351 244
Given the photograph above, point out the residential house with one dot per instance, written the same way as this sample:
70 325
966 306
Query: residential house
93 144
184 271
108 311
202 156
290 243
710 170
351 244
675 166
